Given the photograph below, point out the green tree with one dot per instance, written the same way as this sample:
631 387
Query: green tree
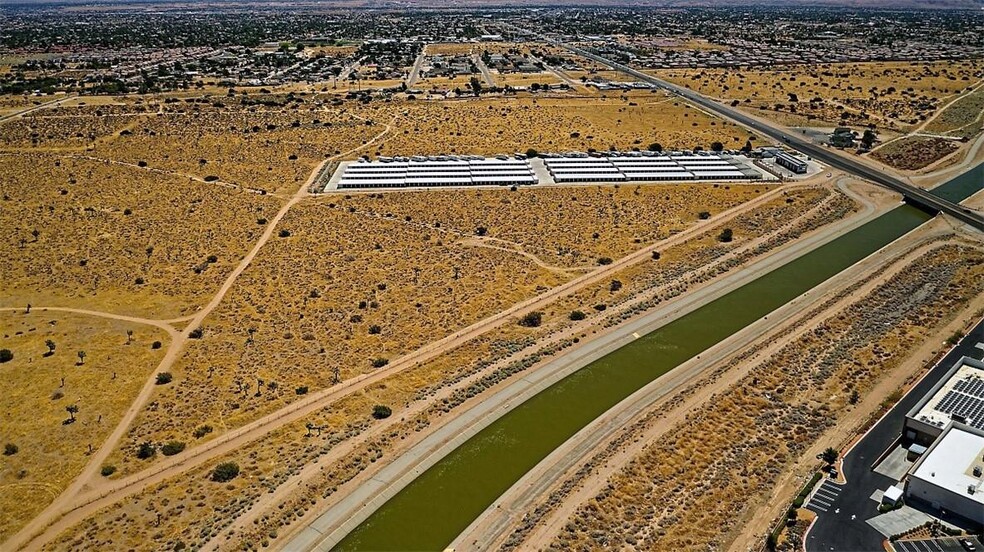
868 139
172 448
829 455
146 450
717 146
531 319
72 411
226 471
380 412
655 146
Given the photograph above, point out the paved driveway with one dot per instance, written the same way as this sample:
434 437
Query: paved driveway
842 526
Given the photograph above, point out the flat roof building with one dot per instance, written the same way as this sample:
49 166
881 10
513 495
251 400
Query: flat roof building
957 397
949 475
794 164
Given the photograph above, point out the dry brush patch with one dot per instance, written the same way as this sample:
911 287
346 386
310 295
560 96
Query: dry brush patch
501 125
914 152
98 236
341 292
44 379
893 94
270 148
962 118
439 385
684 492
567 227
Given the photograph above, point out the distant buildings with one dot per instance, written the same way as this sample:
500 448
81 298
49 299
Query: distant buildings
790 162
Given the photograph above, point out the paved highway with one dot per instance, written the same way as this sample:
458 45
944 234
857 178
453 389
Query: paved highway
913 194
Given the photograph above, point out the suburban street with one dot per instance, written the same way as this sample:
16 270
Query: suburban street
843 526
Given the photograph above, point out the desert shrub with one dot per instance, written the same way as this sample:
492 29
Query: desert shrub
226 471
726 235
6 355
531 319
375 329
605 260
302 390
164 378
146 450
202 431
703 215
172 448
615 285
156 345
380 412
10 449
577 315
107 470
197 333
656 255
284 233
379 362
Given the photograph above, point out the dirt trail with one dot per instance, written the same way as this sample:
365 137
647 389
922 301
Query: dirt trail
593 484
33 108
53 518
162 324
577 329
87 493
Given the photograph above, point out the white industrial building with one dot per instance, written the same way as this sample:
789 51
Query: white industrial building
668 168
948 477
957 397
436 173
552 169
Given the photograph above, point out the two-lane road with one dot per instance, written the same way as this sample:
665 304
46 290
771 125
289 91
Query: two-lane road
913 194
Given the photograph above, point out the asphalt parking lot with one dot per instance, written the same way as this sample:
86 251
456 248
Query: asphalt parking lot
948 544
843 510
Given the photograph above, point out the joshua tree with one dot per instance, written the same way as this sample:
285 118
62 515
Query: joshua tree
72 410
309 426
51 347
81 357
336 374
129 336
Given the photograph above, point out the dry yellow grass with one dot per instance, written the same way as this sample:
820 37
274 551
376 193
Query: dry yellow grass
267 463
37 388
378 276
499 125
895 95
118 238
525 79
684 493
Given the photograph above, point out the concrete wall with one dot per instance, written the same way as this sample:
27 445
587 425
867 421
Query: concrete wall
940 498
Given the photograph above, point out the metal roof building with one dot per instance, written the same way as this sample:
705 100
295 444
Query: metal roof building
436 173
